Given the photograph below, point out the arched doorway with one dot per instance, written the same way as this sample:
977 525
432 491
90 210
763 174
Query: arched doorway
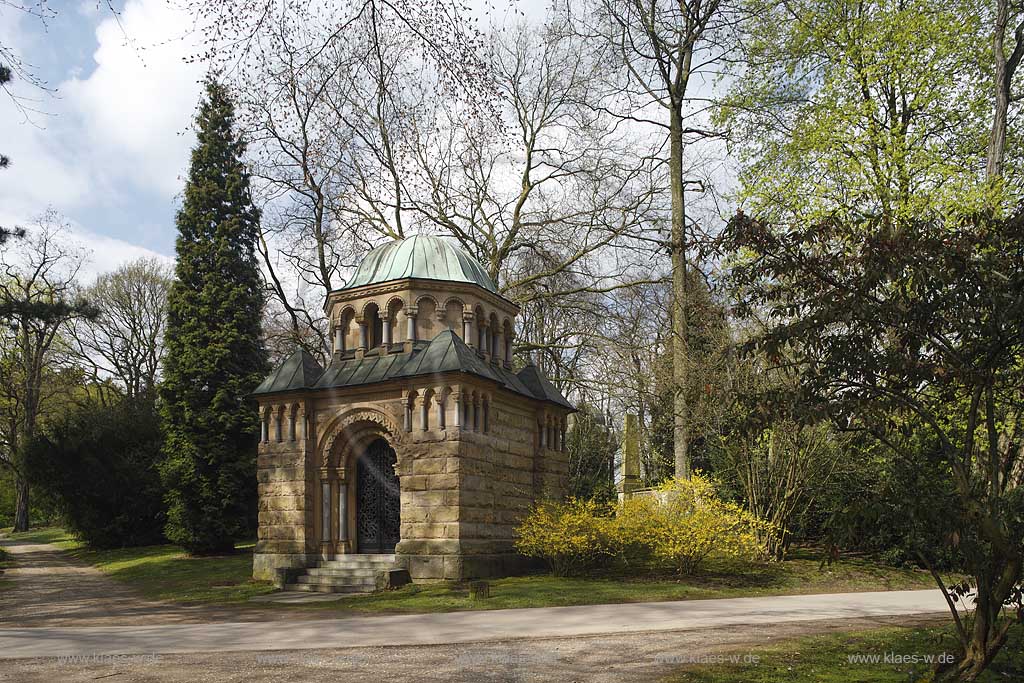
378 502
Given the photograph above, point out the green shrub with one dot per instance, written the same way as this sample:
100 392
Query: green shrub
99 464
679 526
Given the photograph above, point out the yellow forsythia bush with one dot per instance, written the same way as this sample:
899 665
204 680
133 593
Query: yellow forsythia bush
571 537
690 523
680 525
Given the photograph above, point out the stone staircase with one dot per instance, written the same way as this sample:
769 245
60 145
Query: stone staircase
344 574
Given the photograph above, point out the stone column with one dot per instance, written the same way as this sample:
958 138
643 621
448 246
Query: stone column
265 425
339 339
439 400
279 424
424 413
292 415
410 318
543 433
456 399
508 348
497 347
385 323
362 335
325 515
630 457
408 413
467 330
342 515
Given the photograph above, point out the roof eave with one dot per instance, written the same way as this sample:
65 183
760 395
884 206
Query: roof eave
362 289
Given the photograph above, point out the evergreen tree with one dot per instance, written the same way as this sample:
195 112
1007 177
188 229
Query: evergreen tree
214 353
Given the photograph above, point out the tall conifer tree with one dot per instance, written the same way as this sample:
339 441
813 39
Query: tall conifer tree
214 356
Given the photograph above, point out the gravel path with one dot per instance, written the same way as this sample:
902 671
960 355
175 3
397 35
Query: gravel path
458 627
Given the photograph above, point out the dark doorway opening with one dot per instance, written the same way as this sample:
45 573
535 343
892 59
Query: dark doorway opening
378 501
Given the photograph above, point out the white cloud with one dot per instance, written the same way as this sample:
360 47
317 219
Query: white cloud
136 105
111 148
107 253
99 253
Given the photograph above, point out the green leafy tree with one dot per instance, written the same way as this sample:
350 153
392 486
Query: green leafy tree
861 108
774 454
39 297
103 477
913 334
214 354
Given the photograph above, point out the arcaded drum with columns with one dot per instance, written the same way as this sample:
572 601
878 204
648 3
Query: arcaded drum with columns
419 439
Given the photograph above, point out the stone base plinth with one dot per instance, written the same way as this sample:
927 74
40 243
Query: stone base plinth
265 565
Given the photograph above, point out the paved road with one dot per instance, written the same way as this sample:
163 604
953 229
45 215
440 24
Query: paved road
459 627
617 658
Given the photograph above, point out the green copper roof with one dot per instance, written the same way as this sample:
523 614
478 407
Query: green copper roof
421 256
299 371
445 353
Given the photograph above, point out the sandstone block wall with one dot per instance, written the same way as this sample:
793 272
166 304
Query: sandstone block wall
463 491
285 533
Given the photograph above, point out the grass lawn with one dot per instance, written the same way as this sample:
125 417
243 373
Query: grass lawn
5 562
164 572
827 659
799 574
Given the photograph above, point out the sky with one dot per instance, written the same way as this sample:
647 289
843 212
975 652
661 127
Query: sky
109 145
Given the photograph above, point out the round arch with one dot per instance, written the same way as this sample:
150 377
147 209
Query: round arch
350 439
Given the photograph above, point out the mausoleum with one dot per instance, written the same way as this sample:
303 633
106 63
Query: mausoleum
419 446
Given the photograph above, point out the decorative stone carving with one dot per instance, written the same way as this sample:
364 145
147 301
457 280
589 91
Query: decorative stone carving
356 416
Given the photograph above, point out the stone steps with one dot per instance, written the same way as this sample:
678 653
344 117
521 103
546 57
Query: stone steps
327 588
344 574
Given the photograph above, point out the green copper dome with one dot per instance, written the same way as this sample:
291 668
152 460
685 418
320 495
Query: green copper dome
420 256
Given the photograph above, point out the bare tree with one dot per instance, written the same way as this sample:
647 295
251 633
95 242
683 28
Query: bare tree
39 297
125 340
663 47
327 95
551 196
364 140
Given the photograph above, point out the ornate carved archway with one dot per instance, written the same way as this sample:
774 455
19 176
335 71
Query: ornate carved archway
345 441
351 431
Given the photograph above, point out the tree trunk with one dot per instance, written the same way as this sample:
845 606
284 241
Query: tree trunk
21 520
997 137
680 351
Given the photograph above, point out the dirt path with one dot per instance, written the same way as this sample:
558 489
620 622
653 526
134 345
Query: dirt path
53 589
645 657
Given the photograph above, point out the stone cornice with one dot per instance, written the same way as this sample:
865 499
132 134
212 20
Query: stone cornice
407 284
